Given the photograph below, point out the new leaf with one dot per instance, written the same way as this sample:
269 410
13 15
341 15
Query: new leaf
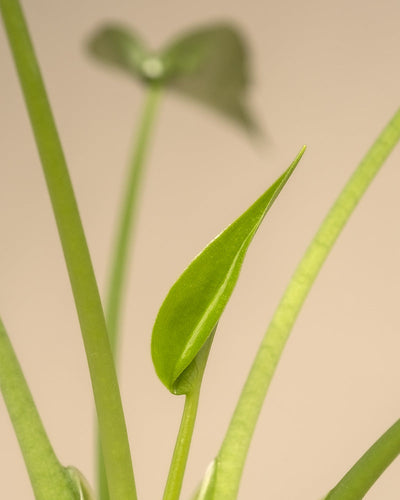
196 301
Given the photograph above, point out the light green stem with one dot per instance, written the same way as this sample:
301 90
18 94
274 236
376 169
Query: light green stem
182 446
232 455
355 484
49 478
369 467
125 230
181 452
100 360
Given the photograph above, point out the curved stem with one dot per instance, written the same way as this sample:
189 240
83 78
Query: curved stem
123 240
128 215
84 287
233 452
355 484
179 458
48 477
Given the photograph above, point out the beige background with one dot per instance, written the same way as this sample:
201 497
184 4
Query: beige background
325 74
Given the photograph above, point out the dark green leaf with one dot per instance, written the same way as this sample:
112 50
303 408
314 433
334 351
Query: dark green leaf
211 66
196 301
120 47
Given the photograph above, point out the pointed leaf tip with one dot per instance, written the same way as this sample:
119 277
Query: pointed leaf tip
196 301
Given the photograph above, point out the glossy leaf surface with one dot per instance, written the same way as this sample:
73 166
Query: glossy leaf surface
209 64
196 301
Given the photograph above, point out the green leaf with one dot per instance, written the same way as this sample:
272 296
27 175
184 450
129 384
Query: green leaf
211 65
196 301
120 47
208 64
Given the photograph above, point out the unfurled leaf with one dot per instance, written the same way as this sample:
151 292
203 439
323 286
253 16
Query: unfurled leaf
120 47
196 301
209 64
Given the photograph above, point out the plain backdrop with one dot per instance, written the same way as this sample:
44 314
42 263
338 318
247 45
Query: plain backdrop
325 74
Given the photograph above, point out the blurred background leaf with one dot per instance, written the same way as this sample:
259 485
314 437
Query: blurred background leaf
208 64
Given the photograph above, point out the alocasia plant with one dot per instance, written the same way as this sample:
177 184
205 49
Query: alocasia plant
210 66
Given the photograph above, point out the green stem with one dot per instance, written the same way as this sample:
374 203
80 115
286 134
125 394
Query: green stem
100 360
179 458
49 478
232 455
355 484
182 446
128 214
125 230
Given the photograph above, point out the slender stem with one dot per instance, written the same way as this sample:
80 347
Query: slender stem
49 478
100 360
128 215
179 458
182 446
355 484
123 240
232 455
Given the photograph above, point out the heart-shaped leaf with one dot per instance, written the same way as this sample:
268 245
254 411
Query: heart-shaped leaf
120 47
211 66
208 64
196 301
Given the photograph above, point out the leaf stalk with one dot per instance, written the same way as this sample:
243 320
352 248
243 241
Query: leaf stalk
233 452
84 287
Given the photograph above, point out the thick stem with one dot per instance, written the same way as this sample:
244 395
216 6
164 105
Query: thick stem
100 360
49 478
233 452
121 252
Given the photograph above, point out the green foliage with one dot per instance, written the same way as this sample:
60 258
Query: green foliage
78 261
195 303
208 64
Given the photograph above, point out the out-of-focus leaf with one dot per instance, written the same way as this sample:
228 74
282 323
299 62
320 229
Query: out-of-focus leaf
196 301
120 47
211 66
